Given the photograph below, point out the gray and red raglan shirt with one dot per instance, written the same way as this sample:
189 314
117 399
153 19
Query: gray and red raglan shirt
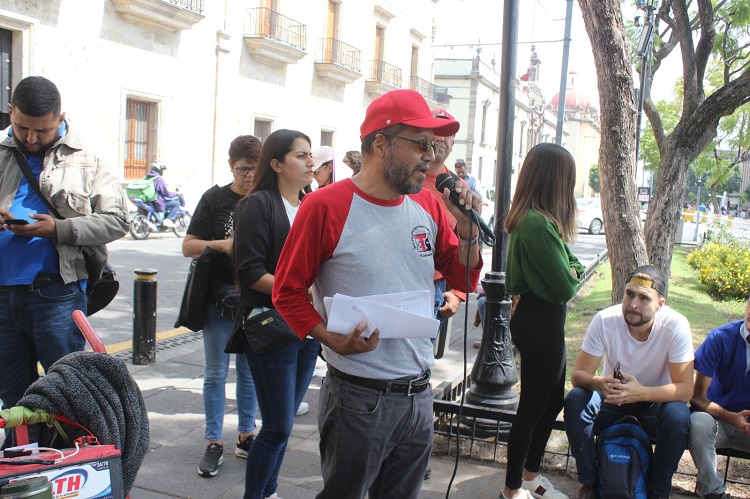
345 241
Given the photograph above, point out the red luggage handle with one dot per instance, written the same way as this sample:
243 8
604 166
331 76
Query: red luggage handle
88 332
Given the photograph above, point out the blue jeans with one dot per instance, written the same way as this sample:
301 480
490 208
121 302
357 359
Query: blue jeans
668 423
281 380
172 206
216 332
36 326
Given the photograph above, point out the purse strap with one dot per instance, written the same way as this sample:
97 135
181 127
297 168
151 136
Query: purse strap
33 182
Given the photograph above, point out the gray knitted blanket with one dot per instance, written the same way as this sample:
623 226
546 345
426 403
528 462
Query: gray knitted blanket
97 391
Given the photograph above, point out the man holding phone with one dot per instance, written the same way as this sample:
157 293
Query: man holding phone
721 401
648 348
42 270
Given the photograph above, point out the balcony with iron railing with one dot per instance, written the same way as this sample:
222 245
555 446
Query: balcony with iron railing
337 61
429 90
164 15
382 77
276 39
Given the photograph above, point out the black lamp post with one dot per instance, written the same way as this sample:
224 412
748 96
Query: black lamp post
494 373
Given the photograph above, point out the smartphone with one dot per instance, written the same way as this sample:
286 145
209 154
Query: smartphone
15 221
617 374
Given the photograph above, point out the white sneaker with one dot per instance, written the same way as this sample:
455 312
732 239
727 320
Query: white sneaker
304 408
542 488
168 222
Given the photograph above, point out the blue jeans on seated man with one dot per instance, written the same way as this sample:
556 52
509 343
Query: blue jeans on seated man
667 423
36 325
216 332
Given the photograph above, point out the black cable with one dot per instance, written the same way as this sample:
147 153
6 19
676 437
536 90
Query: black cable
465 359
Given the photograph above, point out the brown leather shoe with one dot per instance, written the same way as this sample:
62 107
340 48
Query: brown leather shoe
588 492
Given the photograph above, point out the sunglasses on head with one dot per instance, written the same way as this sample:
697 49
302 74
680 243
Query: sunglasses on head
423 145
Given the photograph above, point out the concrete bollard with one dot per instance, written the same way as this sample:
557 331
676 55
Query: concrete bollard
144 317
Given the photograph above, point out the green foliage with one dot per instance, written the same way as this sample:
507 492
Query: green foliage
723 264
594 178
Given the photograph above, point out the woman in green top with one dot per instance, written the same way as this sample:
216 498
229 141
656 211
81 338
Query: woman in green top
542 274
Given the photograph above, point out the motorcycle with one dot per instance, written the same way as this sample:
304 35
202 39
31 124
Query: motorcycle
146 220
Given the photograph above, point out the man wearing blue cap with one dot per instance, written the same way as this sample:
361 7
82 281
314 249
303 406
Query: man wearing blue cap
653 346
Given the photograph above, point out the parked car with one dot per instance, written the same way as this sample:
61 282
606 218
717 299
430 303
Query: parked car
589 215
488 206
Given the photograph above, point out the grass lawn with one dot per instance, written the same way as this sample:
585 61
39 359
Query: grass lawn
686 295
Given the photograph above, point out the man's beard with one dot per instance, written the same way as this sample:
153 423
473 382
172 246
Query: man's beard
39 152
636 320
399 176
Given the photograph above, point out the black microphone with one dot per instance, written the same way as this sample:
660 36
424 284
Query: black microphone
446 180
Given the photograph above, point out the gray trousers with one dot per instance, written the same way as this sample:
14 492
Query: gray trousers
372 442
707 435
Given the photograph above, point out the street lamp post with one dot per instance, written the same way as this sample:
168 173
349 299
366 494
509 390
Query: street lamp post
494 373
697 210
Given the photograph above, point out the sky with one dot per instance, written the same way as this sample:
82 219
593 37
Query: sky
462 25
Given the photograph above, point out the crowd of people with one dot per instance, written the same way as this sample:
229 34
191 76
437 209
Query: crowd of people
287 235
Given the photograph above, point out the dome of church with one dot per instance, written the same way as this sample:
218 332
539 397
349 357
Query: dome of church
573 98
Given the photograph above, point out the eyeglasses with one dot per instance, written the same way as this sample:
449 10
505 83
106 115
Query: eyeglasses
242 171
424 145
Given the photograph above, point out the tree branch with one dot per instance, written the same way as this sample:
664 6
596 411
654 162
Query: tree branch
706 41
657 127
691 90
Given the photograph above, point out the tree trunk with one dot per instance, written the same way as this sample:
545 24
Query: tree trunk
620 207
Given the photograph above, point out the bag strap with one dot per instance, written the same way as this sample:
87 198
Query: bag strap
33 182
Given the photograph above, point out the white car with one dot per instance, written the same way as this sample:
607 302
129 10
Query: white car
488 206
589 215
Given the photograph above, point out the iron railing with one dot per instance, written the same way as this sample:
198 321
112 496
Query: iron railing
601 257
191 5
429 90
383 72
338 52
266 23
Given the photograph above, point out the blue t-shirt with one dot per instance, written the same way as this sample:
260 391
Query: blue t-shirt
723 358
25 257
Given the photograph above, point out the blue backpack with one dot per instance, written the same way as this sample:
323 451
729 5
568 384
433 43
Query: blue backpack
623 453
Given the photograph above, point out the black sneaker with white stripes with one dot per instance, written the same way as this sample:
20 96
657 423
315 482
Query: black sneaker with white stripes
211 461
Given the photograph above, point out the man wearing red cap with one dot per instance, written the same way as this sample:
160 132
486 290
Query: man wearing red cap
446 301
376 233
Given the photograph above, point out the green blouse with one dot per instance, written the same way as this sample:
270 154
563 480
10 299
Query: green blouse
539 261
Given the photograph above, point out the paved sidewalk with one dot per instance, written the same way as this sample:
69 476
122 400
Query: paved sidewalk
172 388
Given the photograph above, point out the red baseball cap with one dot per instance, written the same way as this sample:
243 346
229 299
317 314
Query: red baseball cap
406 107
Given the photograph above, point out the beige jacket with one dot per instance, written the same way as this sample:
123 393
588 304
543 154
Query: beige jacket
82 189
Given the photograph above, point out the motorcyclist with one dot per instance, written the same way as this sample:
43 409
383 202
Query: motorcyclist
166 200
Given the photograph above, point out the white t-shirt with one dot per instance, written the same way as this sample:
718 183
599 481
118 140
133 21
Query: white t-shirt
670 341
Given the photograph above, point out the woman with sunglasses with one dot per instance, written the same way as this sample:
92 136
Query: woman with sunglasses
323 158
282 375
212 226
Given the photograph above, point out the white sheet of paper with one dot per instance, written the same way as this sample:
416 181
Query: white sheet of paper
346 312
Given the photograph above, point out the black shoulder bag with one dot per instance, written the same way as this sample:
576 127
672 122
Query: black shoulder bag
102 287
193 307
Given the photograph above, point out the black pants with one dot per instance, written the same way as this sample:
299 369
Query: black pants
538 331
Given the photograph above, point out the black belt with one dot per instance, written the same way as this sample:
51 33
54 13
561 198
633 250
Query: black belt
40 281
408 386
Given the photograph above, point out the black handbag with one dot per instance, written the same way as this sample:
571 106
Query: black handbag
267 331
194 298
101 286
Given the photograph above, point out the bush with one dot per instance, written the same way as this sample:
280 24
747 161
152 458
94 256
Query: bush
723 268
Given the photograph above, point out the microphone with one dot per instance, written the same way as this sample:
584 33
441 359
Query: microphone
446 180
